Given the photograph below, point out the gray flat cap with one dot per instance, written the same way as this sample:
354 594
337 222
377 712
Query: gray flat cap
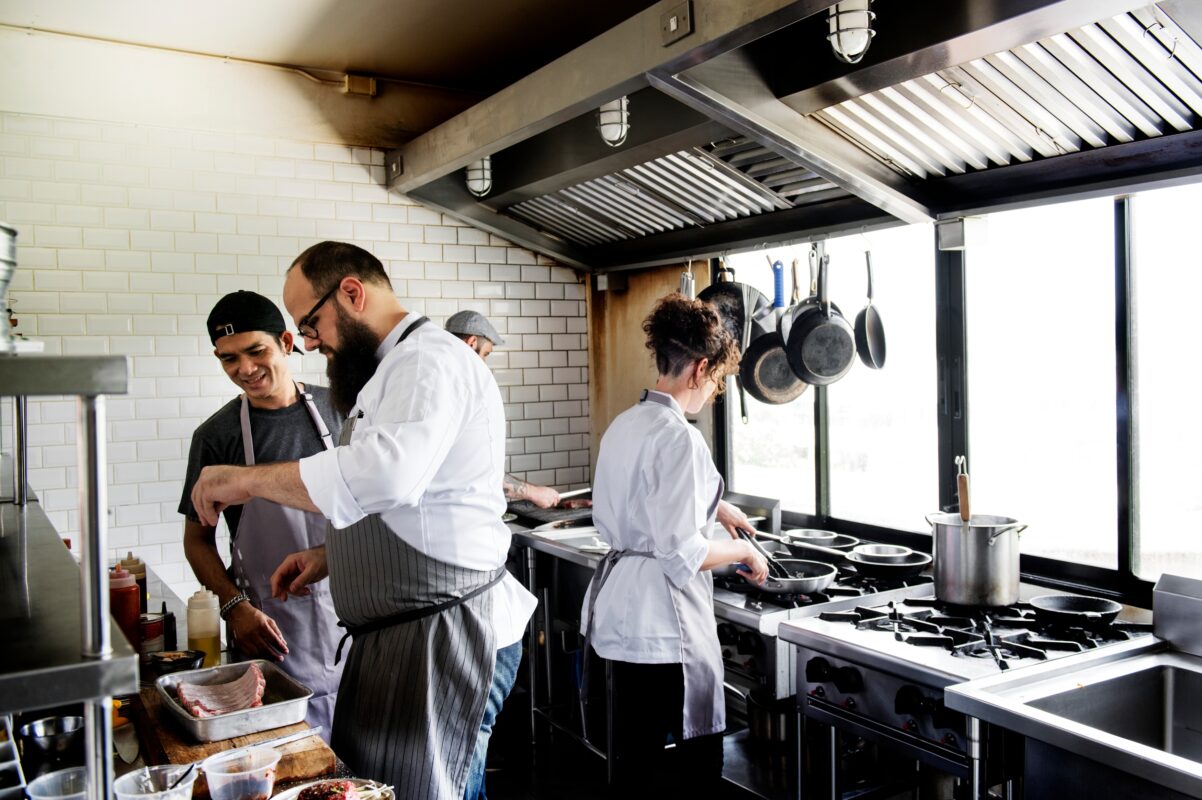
473 323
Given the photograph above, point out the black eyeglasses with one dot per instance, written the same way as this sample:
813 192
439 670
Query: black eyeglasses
305 326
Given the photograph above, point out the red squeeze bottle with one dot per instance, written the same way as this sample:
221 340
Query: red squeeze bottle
125 605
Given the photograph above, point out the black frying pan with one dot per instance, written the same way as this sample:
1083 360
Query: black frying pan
870 331
1075 609
821 344
764 369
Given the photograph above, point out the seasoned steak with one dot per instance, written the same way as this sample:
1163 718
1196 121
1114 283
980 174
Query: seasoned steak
329 790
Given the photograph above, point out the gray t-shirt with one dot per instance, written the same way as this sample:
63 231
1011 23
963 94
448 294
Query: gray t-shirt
279 434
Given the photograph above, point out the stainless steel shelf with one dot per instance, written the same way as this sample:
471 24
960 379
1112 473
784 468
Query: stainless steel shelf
41 617
33 375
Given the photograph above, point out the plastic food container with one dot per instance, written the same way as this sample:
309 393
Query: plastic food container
247 774
66 784
153 783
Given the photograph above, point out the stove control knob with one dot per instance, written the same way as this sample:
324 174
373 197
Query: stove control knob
949 740
817 691
818 670
910 726
910 701
849 704
848 680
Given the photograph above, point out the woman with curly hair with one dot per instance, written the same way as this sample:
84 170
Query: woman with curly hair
650 605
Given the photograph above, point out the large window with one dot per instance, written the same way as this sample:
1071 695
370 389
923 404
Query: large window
1168 293
883 436
883 426
773 453
1041 382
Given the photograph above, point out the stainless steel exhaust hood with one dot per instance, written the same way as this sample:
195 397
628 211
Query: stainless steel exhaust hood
747 131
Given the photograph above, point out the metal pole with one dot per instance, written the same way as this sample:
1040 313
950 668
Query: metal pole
975 756
532 649
94 605
21 447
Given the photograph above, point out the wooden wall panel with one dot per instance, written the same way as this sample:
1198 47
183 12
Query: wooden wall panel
620 365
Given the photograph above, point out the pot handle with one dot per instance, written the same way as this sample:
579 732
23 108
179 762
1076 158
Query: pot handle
929 520
1018 529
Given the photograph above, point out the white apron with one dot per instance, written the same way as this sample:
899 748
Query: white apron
267 534
704 699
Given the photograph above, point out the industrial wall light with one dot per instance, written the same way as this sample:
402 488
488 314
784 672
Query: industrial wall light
479 176
613 120
850 29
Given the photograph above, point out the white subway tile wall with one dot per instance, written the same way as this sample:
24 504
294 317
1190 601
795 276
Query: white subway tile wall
128 235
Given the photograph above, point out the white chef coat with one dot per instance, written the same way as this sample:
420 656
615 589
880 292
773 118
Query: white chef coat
654 485
428 456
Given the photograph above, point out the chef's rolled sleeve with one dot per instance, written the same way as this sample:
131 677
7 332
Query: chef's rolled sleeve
322 477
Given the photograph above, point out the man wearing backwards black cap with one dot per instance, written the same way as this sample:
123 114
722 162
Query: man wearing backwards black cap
273 420
479 334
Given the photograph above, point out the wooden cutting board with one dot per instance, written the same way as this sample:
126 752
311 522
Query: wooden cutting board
164 741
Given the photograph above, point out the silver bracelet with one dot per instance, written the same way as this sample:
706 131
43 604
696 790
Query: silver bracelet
240 597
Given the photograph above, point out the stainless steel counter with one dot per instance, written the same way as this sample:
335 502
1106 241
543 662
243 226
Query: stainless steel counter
41 619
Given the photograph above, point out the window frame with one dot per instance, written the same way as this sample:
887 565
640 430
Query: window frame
953 405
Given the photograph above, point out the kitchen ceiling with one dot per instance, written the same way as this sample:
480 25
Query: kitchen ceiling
745 130
469 47
753 133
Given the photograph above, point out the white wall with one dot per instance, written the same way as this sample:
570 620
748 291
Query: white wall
128 234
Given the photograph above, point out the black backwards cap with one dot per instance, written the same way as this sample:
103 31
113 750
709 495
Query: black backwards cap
242 311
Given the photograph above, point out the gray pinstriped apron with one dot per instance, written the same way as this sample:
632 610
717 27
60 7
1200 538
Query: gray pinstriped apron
267 534
420 665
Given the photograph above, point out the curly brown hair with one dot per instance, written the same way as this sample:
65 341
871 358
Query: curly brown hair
681 331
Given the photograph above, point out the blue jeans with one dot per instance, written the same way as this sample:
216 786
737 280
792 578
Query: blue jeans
503 676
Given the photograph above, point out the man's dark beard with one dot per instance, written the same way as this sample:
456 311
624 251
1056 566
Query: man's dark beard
351 366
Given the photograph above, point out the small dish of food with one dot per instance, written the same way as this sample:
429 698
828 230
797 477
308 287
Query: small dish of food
169 661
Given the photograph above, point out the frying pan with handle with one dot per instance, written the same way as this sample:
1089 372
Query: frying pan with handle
913 564
764 369
791 575
821 344
870 331
1075 609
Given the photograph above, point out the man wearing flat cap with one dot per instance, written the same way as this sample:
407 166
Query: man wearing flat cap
274 419
480 335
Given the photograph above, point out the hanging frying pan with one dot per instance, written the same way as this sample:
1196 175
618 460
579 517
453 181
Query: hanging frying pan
821 345
731 299
870 331
764 369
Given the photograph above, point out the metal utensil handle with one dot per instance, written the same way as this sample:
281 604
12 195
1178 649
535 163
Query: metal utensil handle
823 299
813 270
795 297
1018 529
868 265
781 572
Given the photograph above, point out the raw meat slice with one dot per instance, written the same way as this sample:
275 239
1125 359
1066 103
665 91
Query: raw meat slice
222 698
329 790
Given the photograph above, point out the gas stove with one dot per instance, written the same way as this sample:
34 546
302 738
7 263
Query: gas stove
877 669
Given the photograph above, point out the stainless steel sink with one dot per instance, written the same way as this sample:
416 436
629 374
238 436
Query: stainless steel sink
1136 707
1160 706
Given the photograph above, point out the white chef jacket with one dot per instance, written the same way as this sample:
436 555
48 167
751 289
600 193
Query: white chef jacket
428 456
654 485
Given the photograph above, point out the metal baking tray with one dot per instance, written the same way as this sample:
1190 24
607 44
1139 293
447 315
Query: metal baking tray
285 701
